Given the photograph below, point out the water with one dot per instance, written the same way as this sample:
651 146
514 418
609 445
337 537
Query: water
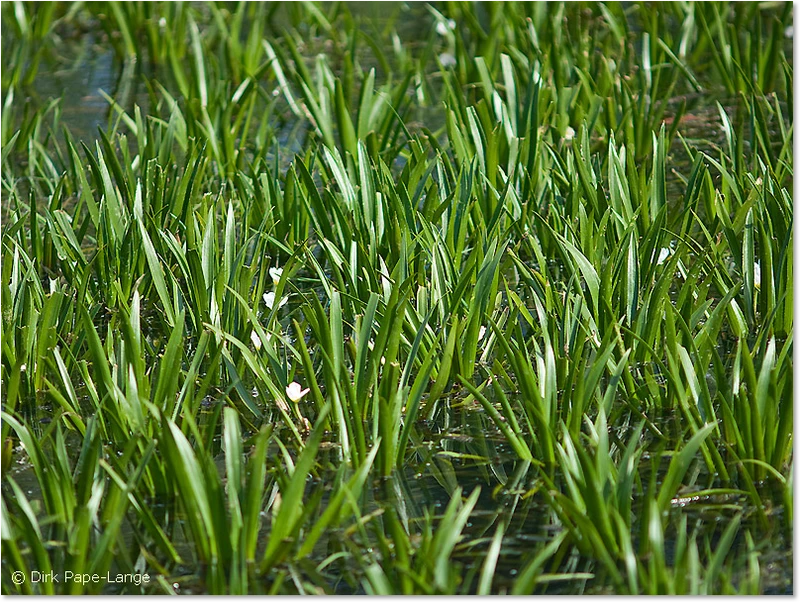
428 482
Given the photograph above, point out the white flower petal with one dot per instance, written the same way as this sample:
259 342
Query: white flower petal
255 339
269 300
447 59
295 392
275 274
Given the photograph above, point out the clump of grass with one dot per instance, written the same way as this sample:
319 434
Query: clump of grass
310 262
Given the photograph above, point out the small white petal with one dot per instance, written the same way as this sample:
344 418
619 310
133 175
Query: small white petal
275 274
757 274
441 28
295 392
447 59
256 339
451 24
569 134
481 332
269 300
663 256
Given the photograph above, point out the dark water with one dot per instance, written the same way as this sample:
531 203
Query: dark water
423 490
87 66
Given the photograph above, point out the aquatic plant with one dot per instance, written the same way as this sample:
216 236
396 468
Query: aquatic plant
329 304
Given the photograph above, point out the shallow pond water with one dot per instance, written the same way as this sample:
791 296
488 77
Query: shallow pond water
471 453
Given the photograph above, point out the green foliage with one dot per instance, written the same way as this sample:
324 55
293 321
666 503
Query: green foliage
547 245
